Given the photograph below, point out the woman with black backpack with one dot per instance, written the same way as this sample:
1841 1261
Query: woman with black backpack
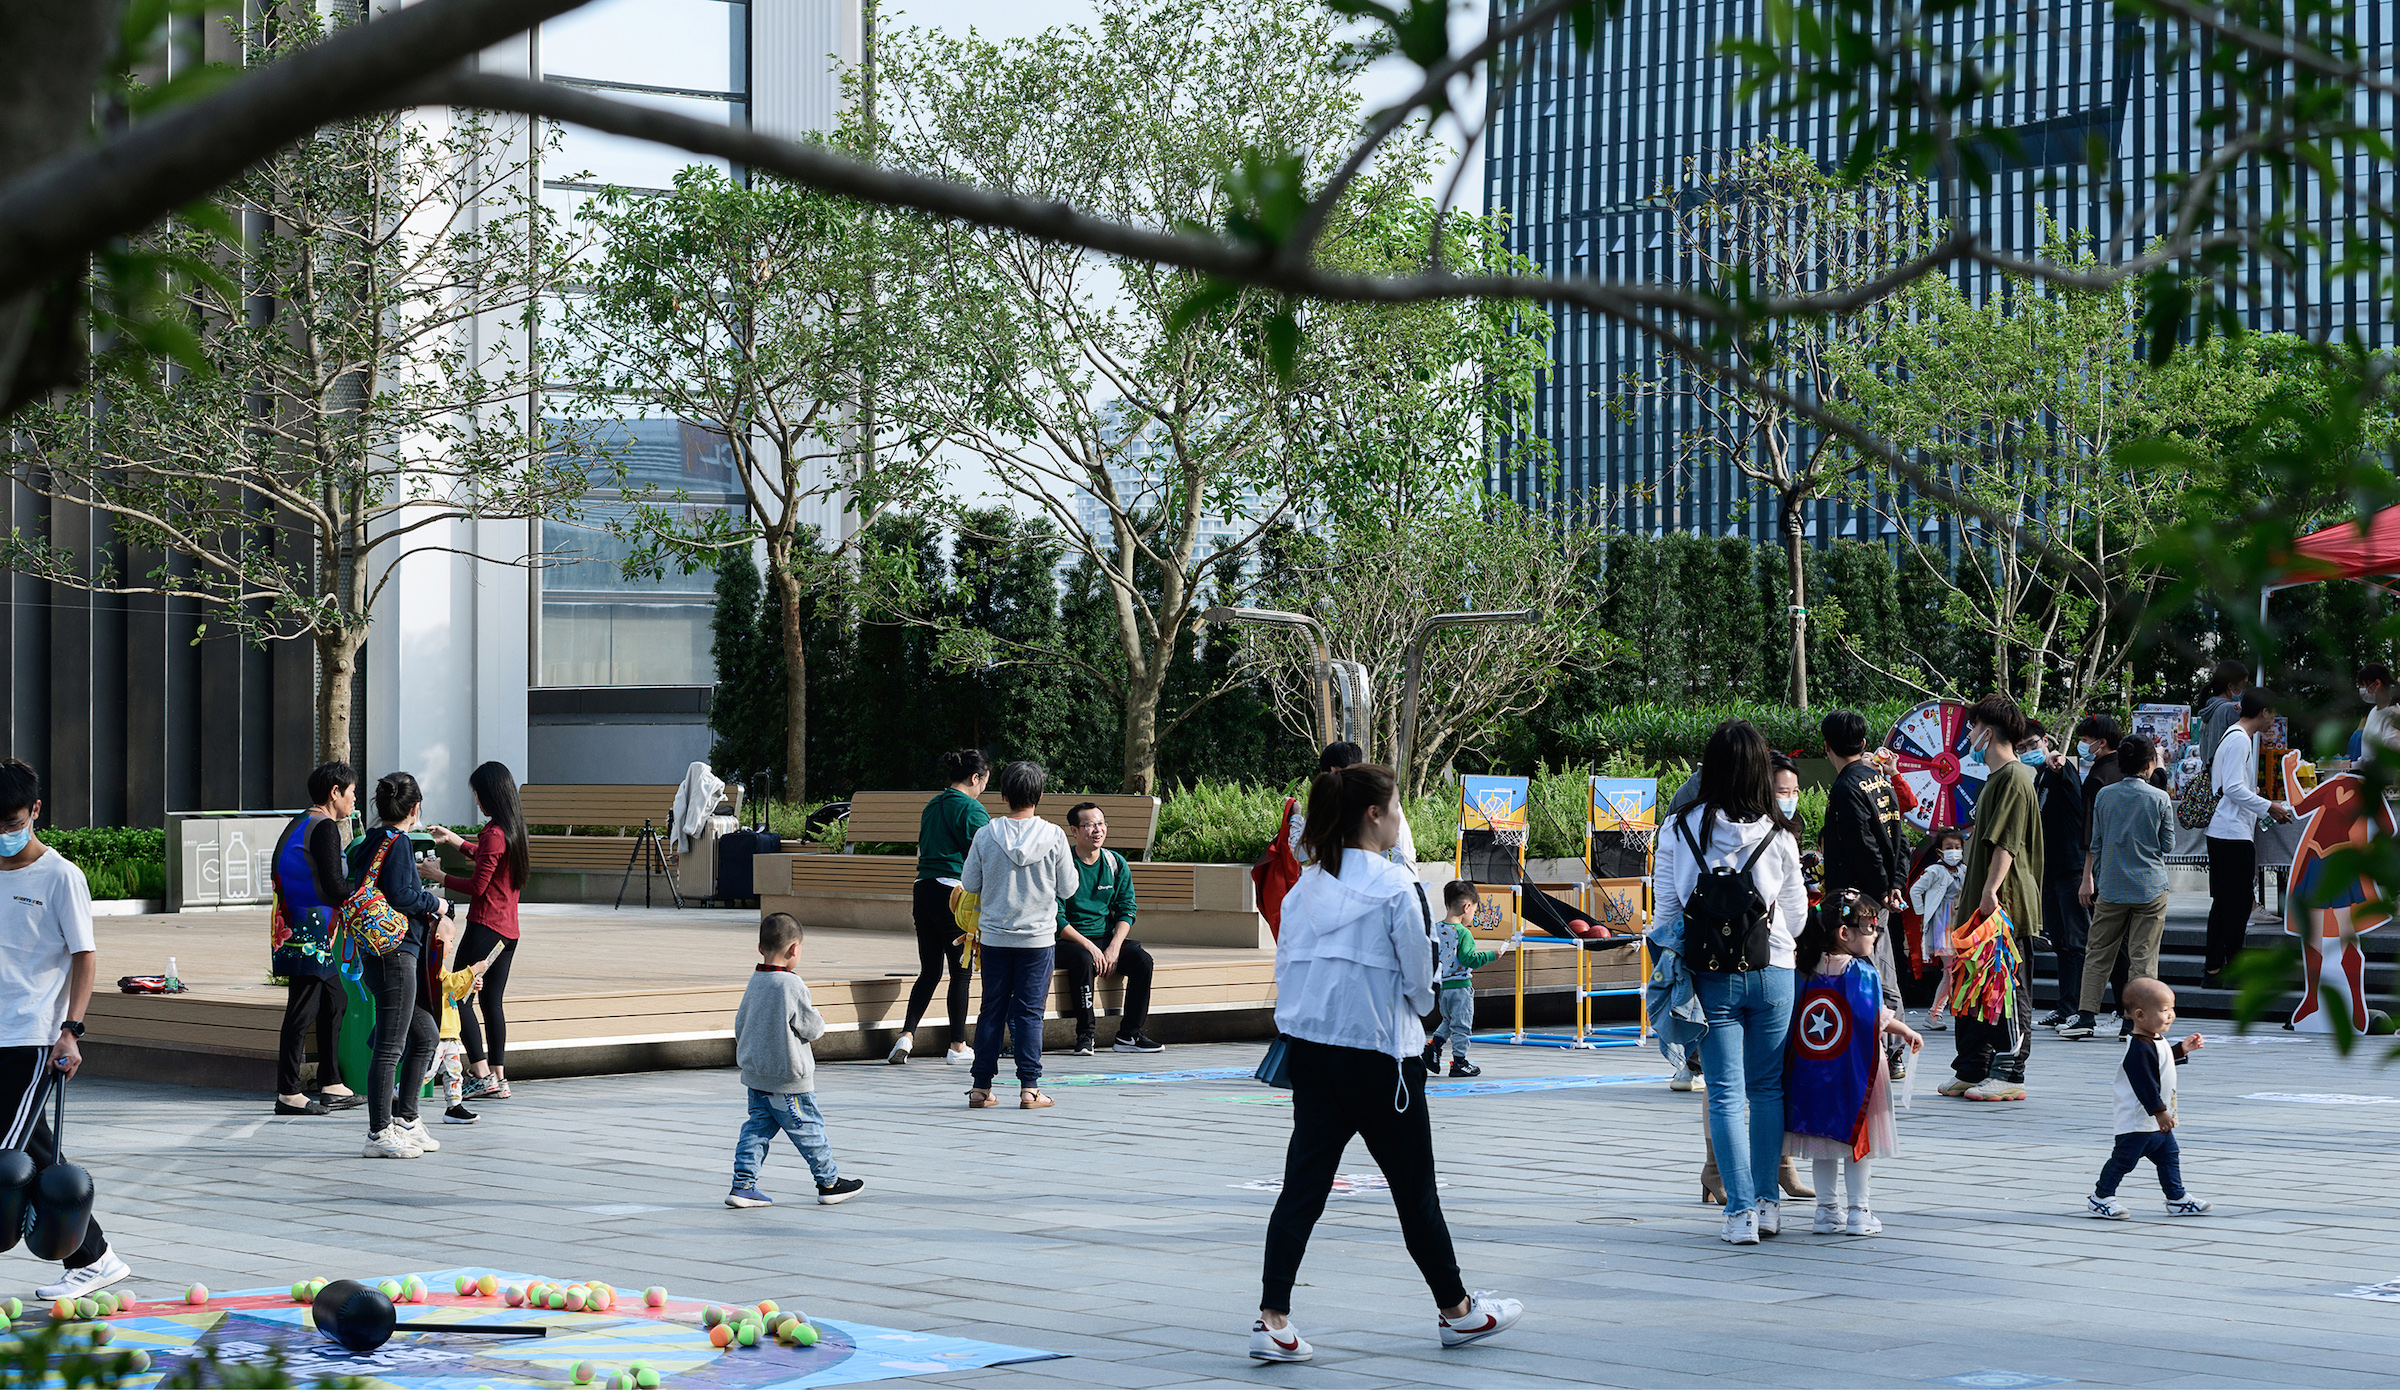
1731 901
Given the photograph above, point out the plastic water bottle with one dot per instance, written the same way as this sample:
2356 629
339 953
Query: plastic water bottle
173 983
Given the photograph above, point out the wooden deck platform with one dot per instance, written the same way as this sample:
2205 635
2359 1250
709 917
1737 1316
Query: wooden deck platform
595 992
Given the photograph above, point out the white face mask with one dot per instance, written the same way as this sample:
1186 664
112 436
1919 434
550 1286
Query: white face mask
1789 805
1952 856
2368 696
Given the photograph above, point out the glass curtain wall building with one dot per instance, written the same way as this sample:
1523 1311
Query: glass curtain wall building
1586 143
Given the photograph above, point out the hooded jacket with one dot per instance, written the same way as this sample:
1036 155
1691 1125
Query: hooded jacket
1021 869
1354 961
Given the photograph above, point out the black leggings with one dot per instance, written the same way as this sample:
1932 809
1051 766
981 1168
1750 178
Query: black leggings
307 998
2232 871
473 946
937 935
1338 1092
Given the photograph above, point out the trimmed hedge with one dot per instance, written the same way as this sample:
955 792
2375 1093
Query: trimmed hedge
1678 732
119 861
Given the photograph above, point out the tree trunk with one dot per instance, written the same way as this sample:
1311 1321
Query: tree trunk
1795 563
337 666
1141 729
795 677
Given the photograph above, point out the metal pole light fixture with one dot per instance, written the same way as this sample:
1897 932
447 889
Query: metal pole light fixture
1320 667
1406 740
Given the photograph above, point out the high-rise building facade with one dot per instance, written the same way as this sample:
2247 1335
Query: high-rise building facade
1588 146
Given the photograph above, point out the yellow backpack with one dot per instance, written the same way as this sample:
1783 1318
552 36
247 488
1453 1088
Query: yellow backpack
967 910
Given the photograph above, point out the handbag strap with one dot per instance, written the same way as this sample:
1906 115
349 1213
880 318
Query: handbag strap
58 1125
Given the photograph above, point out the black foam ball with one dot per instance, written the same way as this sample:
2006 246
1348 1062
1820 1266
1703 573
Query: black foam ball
16 1193
62 1212
352 1314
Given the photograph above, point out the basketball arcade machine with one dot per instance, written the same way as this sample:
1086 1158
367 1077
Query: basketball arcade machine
1494 819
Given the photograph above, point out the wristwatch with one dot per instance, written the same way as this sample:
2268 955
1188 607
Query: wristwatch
73 1027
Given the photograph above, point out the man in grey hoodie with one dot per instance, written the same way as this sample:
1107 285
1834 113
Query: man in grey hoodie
1021 868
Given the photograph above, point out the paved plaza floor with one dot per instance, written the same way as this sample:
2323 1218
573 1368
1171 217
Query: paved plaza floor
1124 1226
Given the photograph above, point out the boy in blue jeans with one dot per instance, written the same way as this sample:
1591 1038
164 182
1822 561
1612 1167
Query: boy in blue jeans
771 1035
1456 960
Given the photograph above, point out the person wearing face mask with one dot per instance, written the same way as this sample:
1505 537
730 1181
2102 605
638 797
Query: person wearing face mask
1933 893
2233 834
2002 873
2064 920
2382 728
2125 884
1864 850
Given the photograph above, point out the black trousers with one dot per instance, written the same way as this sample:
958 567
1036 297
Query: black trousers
2232 867
307 998
25 1080
488 1038
1999 1049
2160 1148
405 1035
2068 924
1134 966
937 935
1338 1092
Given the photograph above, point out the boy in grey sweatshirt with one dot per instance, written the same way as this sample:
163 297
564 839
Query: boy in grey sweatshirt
771 1034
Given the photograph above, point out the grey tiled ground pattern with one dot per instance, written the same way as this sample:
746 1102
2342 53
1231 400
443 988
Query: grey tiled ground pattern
1115 1227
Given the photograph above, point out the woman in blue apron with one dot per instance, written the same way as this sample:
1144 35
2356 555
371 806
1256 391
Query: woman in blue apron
310 883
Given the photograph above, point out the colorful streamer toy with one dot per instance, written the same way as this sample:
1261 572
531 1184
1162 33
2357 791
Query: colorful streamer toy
1989 958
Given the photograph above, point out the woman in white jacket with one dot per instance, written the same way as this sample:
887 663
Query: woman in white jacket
1353 982
1749 1012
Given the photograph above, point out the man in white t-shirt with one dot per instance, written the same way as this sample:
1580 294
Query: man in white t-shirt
46 967
2233 833
2383 706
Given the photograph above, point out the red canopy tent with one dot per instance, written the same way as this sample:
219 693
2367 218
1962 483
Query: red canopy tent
2342 551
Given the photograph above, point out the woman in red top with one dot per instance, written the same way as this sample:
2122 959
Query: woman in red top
500 861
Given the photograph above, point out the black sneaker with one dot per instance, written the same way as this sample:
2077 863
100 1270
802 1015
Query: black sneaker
1433 1057
840 1190
2057 1017
1460 1066
459 1115
2080 1026
1085 1045
1138 1042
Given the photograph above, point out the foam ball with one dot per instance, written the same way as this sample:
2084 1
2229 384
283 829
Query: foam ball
646 1378
390 1288
636 1366
607 1296
488 1285
767 1306
805 1335
101 1334
197 1293
87 1307
711 1316
516 1297
63 1309
108 1302
655 1296
15 1308
576 1298
138 1359
584 1371
414 1288
463 1285
749 1334
557 1301
719 1335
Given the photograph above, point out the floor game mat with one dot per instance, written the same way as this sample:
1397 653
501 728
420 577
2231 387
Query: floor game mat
669 1338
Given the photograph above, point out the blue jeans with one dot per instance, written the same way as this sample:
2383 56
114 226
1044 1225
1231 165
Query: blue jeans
1016 993
1458 1019
1749 1019
797 1116
2159 1147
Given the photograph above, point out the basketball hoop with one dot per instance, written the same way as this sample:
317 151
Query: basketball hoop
1509 836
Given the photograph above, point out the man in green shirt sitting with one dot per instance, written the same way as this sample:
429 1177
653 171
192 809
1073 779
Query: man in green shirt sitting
1095 938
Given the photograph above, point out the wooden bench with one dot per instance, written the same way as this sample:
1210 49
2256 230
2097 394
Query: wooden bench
609 815
893 818
1176 904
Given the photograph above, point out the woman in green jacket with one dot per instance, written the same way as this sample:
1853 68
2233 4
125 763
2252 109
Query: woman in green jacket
950 822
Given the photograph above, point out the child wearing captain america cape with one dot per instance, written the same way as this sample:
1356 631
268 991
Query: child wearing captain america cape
1837 1092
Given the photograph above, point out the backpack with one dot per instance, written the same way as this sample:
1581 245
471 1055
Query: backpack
2198 804
368 916
1725 920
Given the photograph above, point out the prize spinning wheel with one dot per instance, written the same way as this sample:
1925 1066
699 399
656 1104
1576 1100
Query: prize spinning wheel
1931 744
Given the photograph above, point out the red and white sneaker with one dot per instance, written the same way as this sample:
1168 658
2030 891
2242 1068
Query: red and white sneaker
1487 1315
1283 1344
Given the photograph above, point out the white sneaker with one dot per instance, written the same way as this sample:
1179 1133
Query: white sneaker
415 1130
1993 1088
2187 1205
2106 1209
1939 1023
1828 1222
75 1283
1770 1219
1681 1080
1487 1315
901 1047
1284 1345
959 1056
390 1143
1741 1228
1862 1223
